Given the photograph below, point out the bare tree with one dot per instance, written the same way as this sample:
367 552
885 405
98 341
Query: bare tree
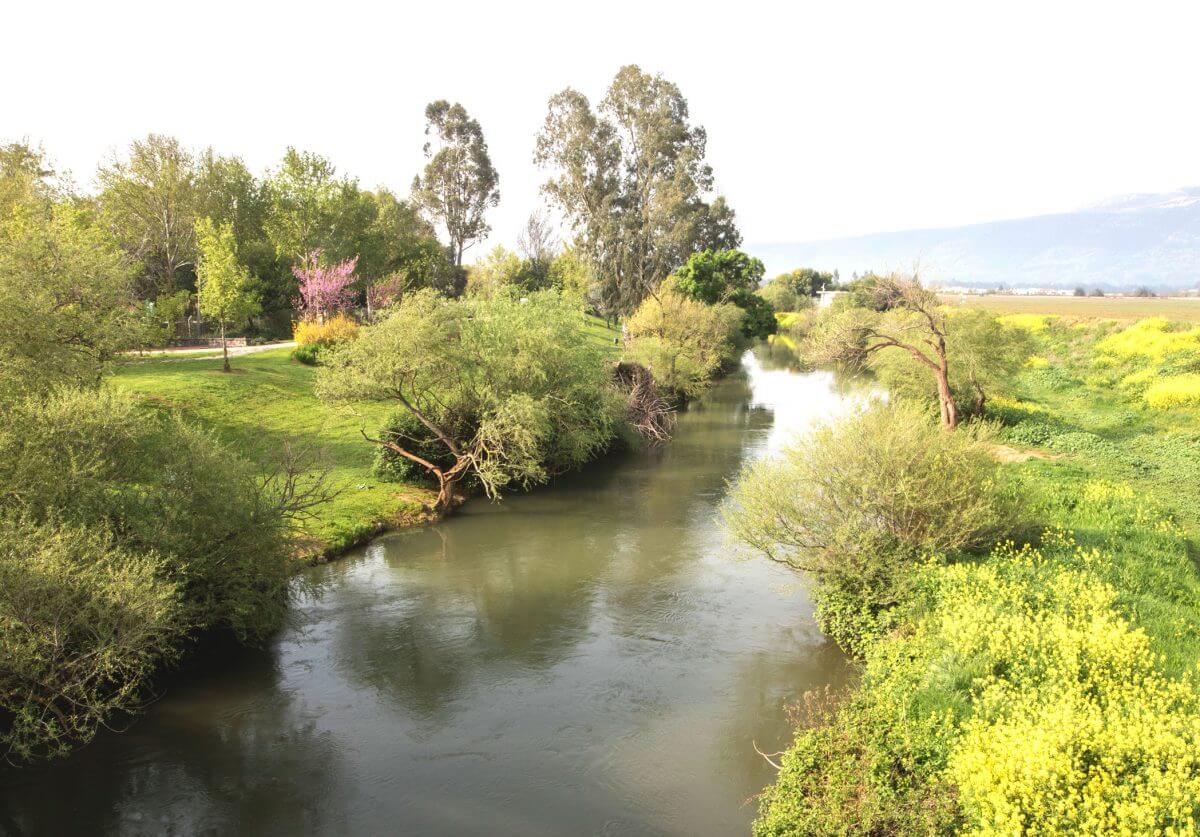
537 241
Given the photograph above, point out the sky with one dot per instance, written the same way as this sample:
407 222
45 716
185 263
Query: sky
824 119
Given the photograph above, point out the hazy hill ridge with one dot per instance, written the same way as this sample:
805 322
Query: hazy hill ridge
1124 242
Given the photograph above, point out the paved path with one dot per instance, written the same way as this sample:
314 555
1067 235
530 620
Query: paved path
207 352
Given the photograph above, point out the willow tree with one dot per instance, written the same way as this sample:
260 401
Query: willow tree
460 183
630 177
500 389
899 313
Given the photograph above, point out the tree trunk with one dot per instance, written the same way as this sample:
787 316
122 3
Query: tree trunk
949 409
224 348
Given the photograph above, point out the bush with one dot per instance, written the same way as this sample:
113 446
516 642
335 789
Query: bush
406 429
99 460
1176 391
858 502
336 329
83 625
683 342
516 394
309 354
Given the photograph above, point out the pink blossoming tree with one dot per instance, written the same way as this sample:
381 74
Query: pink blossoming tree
324 291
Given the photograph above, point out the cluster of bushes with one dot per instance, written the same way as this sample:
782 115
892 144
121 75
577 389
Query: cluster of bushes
500 391
312 336
1005 689
125 532
1153 361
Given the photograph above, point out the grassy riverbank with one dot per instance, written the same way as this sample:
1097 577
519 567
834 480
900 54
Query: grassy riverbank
268 399
1047 688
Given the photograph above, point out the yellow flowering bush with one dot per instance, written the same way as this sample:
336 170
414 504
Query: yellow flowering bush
1074 730
336 329
1152 339
1030 322
1176 391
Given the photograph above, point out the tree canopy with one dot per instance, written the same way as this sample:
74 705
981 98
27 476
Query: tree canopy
459 183
630 177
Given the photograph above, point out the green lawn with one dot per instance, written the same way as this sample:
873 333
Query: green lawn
267 400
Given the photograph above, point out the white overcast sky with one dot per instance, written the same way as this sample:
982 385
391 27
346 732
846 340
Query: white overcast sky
824 119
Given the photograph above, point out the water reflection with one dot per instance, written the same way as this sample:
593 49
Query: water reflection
590 657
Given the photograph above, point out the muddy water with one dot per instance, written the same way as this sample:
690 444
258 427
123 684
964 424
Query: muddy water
592 657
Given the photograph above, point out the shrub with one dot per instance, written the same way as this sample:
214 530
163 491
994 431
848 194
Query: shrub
1151 339
1176 391
98 459
683 342
309 354
336 329
515 393
856 503
404 428
83 625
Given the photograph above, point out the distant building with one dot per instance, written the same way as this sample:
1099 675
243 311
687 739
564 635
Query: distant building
827 297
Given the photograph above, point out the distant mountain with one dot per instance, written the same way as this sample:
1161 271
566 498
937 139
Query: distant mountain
1125 242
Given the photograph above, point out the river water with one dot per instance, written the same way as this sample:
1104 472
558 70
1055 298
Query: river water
589 658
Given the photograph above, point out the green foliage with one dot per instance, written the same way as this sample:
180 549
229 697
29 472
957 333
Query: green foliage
406 429
65 295
631 179
459 183
983 355
857 503
713 277
83 625
513 392
683 342
99 461
225 291
1047 688
309 355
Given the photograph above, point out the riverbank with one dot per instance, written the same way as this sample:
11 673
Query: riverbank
1051 687
268 400
470 677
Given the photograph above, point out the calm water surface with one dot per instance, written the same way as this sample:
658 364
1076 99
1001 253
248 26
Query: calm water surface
593 657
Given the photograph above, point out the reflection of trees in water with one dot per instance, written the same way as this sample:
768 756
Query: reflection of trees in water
514 588
224 752
465 602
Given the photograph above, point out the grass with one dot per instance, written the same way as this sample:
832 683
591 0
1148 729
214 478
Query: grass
267 400
1114 308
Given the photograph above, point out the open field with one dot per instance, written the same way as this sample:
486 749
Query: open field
1112 308
267 400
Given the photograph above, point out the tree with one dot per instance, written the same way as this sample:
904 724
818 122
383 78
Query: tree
225 290
311 208
728 276
981 353
324 290
66 293
899 313
460 184
631 180
859 501
682 341
501 389
148 200
26 178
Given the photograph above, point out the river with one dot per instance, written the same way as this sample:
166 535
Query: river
591 657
